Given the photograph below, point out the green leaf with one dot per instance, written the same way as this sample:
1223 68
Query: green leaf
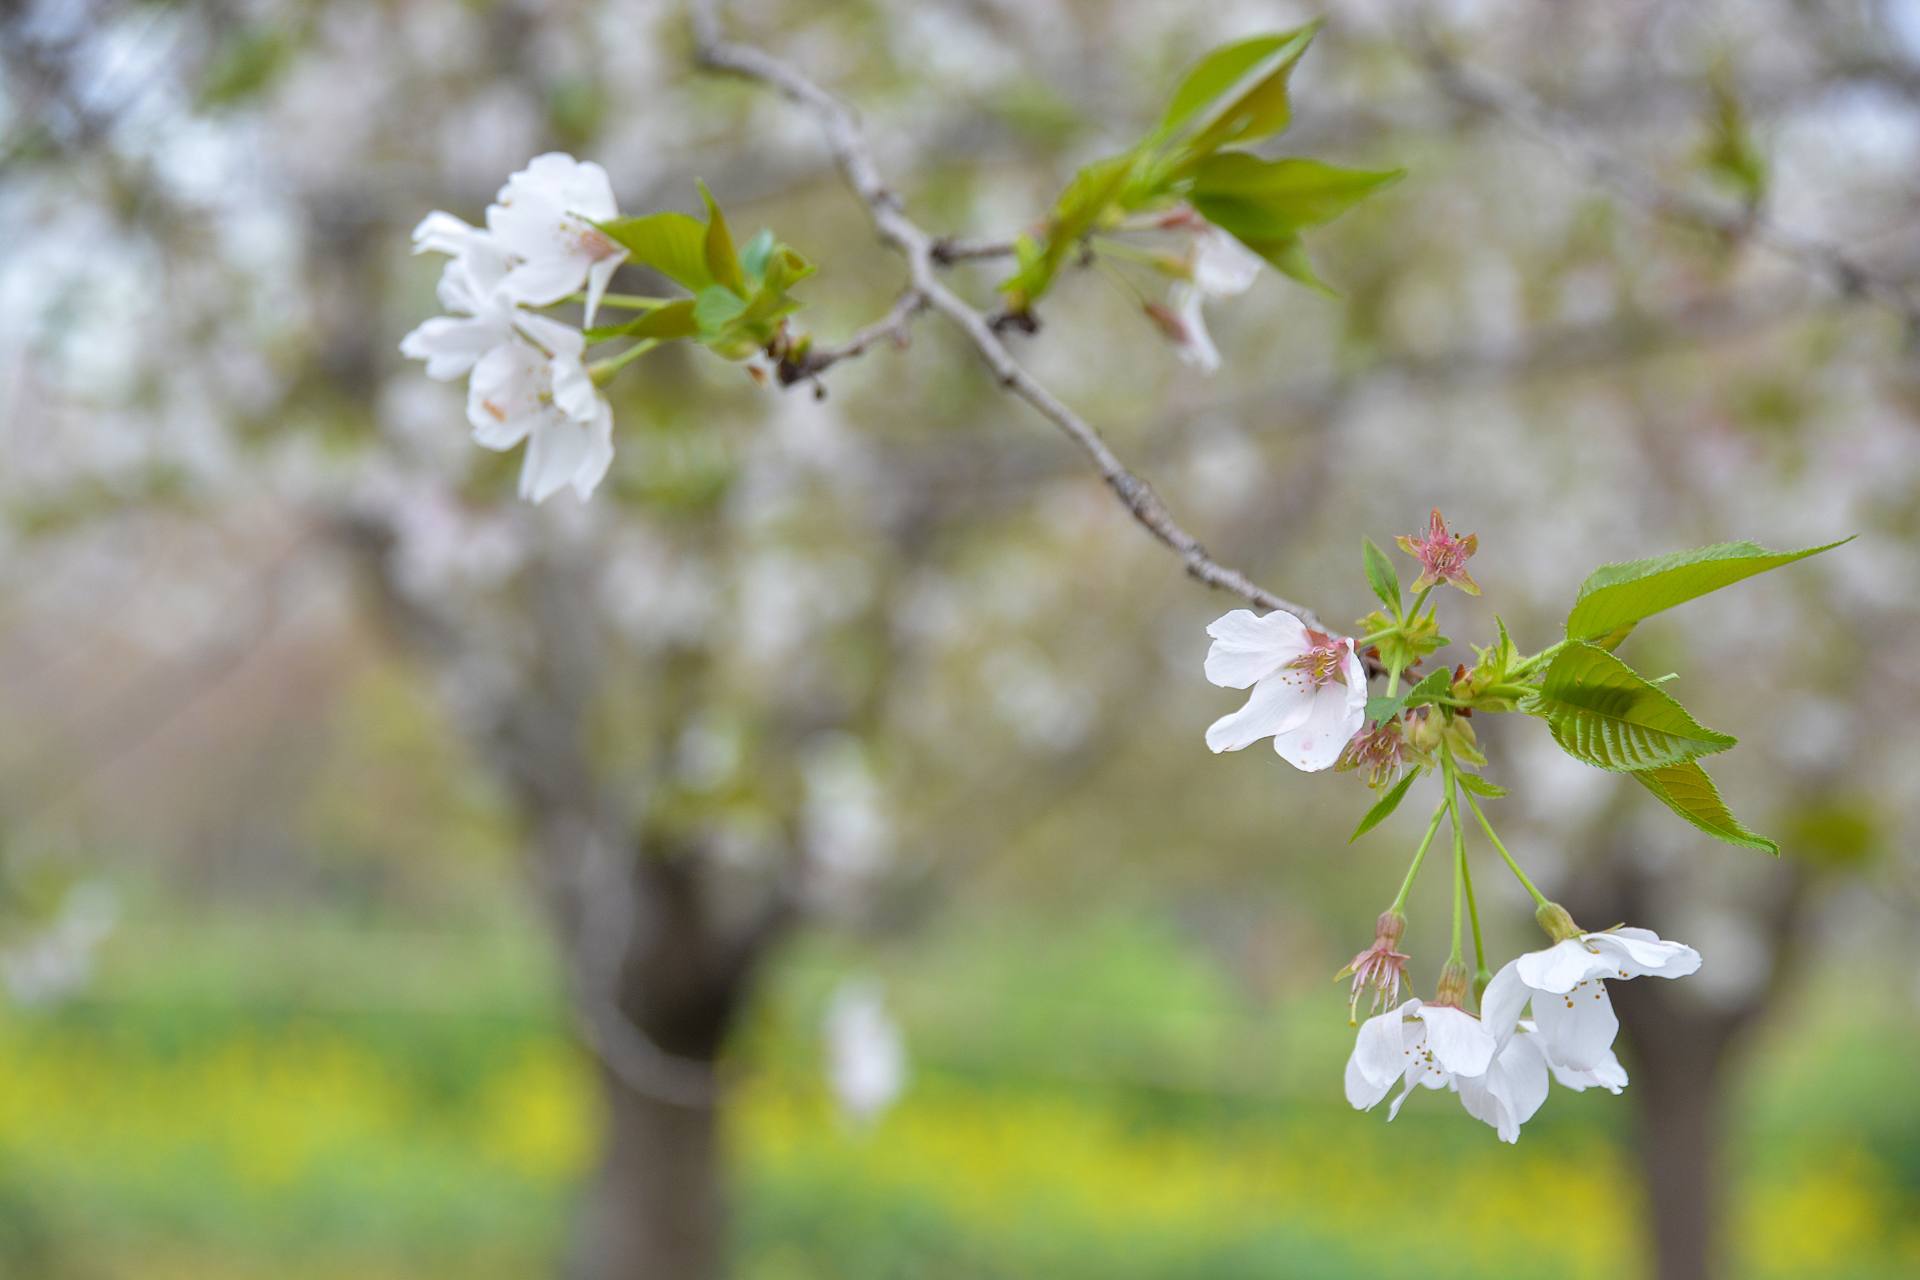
1281 250
1603 712
674 320
755 256
1380 574
1688 791
1283 196
1619 595
1079 210
1437 684
671 243
715 307
1384 806
1238 92
723 262
1480 786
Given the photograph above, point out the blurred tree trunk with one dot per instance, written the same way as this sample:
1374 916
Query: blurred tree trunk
1681 1053
657 1204
655 1207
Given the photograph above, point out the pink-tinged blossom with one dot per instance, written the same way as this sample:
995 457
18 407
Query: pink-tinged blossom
1309 689
1380 969
544 216
1220 267
1442 555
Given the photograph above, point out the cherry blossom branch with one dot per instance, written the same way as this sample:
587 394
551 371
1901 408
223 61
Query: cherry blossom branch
925 254
1846 273
893 327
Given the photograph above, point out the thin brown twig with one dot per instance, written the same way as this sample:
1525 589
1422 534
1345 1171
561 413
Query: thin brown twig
851 152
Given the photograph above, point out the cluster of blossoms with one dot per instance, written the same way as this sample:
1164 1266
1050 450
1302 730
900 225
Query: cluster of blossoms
1310 695
528 380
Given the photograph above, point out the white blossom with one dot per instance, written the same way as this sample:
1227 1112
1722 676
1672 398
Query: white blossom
470 287
544 217
1221 267
546 398
1566 984
1416 1044
866 1056
1309 689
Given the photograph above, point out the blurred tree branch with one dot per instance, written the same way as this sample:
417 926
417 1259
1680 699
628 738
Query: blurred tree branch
923 253
1844 271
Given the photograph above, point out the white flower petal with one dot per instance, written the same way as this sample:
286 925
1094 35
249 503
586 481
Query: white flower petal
1334 716
1248 646
452 345
1198 349
1500 1005
599 276
1460 1044
547 279
1561 966
555 452
1641 953
1609 1075
1577 1028
440 232
1379 1058
1222 266
1276 706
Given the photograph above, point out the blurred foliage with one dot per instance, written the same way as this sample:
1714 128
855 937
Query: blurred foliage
372 1103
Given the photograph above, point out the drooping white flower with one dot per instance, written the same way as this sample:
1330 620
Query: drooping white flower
1220 267
1309 689
1417 1044
470 287
545 397
1566 984
441 232
1513 1088
866 1056
545 218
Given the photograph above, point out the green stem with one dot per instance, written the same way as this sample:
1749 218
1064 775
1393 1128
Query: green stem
1457 956
1539 899
1418 600
1376 637
1129 252
603 370
1539 659
1393 680
1419 856
624 301
1481 974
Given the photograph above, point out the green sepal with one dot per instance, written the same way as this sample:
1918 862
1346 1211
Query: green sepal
1380 574
723 261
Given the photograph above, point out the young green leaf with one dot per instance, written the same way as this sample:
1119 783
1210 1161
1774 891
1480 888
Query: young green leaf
1619 595
1437 684
715 307
723 261
1079 210
1480 786
1380 574
759 250
671 243
1603 712
674 320
1238 93
1688 791
1384 807
1283 196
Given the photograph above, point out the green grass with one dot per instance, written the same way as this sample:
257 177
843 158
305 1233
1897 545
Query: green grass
307 1097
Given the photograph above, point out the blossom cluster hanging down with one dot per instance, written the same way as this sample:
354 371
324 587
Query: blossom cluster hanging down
527 377
1496 1040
